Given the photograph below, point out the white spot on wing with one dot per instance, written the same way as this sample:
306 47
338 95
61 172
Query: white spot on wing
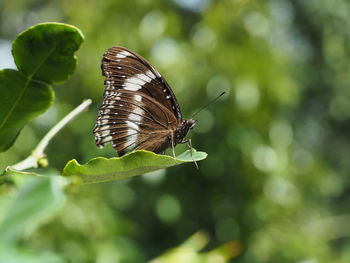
106 139
131 86
105 127
105 133
134 117
137 97
132 125
123 54
131 140
155 71
145 78
150 74
136 80
102 122
137 113
131 133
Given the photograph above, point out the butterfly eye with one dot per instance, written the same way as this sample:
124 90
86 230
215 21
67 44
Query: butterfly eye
193 123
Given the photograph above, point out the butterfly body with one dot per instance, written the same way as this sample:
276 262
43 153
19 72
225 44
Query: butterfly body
139 109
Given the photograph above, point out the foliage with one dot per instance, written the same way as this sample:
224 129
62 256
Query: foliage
140 162
276 178
44 55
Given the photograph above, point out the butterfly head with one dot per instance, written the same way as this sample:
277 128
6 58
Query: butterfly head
183 129
191 123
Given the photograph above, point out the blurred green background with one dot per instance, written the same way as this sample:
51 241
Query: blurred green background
277 176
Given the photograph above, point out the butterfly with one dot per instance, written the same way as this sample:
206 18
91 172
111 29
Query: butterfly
139 109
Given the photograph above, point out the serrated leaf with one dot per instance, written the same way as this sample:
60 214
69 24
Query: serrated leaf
21 99
46 51
102 169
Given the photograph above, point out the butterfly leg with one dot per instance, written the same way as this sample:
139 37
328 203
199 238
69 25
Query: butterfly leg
189 144
172 146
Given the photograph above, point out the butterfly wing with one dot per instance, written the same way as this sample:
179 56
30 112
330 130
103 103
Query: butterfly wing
139 110
127 70
133 120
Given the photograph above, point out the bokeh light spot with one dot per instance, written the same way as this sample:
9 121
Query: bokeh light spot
256 23
303 161
193 5
152 25
154 178
281 134
247 95
168 209
122 197
204 38
281 191
165 52
265 158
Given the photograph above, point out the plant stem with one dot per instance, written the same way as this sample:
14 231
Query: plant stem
38 152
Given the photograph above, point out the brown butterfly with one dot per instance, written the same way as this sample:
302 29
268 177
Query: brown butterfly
139 109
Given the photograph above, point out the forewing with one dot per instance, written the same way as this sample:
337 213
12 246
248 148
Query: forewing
126 70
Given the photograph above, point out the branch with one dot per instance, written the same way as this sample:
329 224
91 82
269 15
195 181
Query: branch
38 153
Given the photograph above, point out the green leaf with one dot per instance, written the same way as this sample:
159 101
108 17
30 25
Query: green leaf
36 201
189 251
21 99
101 169
12 172
46 51
44 55
15 254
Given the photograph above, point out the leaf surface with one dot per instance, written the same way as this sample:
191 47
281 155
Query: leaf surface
46 51
37 200
21 99
44 55
102 169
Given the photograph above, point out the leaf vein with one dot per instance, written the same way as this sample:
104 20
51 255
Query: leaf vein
29 79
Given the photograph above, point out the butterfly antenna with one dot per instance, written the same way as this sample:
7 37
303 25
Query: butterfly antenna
210 102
